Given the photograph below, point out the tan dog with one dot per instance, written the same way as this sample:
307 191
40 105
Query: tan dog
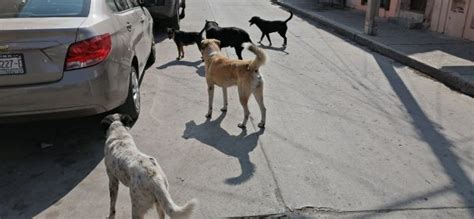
138 171
225 72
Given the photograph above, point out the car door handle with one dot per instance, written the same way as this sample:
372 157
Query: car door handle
142 20
129 26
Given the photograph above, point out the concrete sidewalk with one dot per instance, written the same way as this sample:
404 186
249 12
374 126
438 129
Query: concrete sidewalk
449 60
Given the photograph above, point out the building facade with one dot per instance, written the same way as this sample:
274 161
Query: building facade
451 17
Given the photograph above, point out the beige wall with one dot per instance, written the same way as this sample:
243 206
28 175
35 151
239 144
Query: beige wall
448 19
469 27
445 17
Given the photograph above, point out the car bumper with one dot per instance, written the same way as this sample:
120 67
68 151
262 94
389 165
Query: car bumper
81 92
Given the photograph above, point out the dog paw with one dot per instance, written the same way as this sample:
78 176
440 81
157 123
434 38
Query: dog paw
208 115
261 125
224 109
178 58
240 125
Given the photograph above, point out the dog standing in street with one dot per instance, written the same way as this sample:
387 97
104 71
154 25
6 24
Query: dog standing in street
228 36
182 39
268 27
225 72
141 173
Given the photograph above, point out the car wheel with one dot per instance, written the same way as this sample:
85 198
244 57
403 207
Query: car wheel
132 104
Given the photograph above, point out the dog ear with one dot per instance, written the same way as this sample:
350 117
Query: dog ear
126 120
218 42
105 123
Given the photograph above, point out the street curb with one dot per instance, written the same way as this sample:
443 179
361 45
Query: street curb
450 79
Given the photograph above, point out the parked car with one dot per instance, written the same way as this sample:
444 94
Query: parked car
166 11
74 58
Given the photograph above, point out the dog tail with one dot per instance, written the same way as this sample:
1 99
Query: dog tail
171 209
260 58
291 16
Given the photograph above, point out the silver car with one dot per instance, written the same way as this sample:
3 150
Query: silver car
73 57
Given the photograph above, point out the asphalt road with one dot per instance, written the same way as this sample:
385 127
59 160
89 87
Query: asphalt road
349 134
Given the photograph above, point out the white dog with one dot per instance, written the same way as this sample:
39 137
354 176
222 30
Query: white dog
140 172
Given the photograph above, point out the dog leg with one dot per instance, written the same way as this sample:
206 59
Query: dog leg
182 52
238 50
269 40
137 209
160 211
113 189
210 91
283 34
179 52
199 48
244 99
261 38
258 94
224 94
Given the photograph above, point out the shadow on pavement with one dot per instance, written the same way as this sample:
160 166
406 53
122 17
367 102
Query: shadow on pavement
196 64
281 49
238 146
160 36
440 145
34 178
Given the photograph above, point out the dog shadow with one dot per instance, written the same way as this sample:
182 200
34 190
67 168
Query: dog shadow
280 49
43 161
196 64
238 146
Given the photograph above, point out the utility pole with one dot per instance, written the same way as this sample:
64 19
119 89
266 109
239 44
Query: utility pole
370 27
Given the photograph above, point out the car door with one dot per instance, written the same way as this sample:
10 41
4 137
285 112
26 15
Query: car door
143 44
129 26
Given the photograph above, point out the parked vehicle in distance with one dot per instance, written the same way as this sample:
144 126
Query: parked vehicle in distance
166 11
74 58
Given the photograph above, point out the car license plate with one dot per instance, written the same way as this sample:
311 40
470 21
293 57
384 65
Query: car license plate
11 64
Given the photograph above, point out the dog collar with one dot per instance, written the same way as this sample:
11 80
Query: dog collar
116 124
213 53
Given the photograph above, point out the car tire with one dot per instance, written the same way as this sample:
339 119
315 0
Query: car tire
131 106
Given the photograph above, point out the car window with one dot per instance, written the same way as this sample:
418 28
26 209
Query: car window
134 3
112 5
122 5
44 8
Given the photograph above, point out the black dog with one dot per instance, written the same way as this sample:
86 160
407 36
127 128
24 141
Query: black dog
229 36
268 27
182 38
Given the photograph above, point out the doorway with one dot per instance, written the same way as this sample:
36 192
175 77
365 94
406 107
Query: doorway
418 5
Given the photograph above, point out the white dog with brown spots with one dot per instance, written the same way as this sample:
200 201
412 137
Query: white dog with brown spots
141 173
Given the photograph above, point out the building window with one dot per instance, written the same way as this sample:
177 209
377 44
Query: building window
418 5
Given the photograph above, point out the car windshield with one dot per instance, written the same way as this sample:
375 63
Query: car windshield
43 8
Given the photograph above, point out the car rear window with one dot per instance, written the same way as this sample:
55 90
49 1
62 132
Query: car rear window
44 8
